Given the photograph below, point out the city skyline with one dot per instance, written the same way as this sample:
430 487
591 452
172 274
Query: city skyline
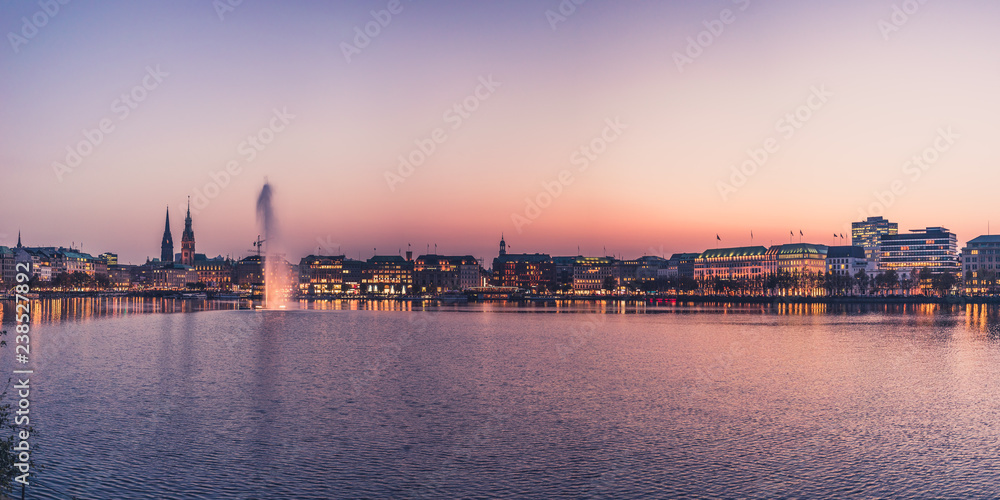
823 107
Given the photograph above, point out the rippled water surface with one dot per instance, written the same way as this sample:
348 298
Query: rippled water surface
482 401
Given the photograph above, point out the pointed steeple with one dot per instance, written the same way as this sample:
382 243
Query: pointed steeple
167 244
187 239
18 238
503 245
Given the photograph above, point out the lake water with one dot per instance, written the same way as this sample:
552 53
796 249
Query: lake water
131 400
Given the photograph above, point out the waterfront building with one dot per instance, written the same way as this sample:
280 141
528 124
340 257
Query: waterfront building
7 268
387 274
981 265
436 274
216 273
590 274
801 258
739 263
187 240
867 234
652 267
120 276
352 276
167 243
933 249
563 272
39 261
535 272
846 260
321 274
249 274
173 276
681 265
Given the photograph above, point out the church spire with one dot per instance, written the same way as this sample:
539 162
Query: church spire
167 244
18 238
503 245
187 239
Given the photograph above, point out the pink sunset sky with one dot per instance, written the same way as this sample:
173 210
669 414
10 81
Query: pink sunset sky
840 95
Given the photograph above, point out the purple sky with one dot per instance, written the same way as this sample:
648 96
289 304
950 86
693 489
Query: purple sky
620 121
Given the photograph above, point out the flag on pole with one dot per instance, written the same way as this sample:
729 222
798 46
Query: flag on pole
801 233
718 238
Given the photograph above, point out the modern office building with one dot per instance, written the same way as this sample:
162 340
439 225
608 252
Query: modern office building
866 234
981 265
934 249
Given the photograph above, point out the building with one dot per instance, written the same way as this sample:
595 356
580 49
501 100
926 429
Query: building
187 239
740 263
934 249
846 261
353 275
681 265
981 265
799 259
321 274
167 243
535 271
216 273
110 258
563 272
330 275
388 275
173 276
249 274
7 268
593 273
651 268
39 261
120 276
436 274
867 234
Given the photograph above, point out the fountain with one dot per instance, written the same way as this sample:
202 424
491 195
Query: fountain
276 274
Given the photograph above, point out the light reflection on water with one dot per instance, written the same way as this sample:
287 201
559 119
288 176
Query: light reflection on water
396 399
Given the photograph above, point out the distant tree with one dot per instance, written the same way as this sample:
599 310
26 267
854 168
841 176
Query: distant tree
861 281
609 283
943 283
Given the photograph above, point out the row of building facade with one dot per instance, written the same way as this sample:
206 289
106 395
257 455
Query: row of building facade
877 247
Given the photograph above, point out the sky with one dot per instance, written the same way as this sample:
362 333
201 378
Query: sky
617 128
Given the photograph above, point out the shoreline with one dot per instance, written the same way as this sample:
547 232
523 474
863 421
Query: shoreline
648 299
